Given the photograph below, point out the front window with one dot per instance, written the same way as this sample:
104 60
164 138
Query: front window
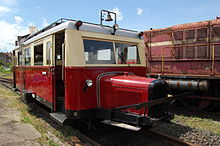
127 54
103 52
98 52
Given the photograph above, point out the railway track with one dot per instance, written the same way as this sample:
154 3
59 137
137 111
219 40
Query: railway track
120 136
7 82
103 134
212 114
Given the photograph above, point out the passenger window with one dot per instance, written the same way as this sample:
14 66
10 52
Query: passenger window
19 58
48 52
98 52
127 54
38 54
27 56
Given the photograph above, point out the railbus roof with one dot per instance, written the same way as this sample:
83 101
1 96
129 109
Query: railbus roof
62 24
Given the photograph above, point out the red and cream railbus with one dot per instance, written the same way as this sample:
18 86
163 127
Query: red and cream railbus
85 70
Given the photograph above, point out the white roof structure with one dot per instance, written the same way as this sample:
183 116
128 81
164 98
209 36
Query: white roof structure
63 24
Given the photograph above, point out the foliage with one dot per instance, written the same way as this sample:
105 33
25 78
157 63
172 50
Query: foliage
5 67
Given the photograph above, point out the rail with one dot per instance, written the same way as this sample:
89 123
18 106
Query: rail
173 52
6 82
169 139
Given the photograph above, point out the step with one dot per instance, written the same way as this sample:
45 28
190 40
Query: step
59 117
60 98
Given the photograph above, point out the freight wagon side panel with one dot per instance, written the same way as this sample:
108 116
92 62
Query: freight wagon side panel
191 49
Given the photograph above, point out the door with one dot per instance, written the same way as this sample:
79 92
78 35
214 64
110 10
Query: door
59 72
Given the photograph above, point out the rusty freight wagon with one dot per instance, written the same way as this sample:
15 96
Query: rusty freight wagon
187 56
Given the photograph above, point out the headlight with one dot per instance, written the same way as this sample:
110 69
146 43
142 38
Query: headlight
89 83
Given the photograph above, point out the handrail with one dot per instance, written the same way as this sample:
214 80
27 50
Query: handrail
213 60
212 57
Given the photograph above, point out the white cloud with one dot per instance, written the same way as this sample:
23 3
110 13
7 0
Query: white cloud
44 22
18 19
118 13
139 11
4 9
9 33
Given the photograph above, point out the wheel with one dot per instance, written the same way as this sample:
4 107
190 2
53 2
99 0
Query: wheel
26 97
195 104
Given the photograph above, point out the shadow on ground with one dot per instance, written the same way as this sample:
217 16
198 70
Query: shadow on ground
110 135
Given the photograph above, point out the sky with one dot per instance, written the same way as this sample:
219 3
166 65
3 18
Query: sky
17 15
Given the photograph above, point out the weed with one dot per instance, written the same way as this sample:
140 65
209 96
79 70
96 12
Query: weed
198 123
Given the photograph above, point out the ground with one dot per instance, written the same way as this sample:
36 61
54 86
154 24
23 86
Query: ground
19 125
13 132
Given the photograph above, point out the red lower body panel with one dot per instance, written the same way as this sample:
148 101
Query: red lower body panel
76 98
37 80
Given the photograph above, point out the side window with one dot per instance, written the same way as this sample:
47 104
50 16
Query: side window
48 52
38 54
27 56
19 58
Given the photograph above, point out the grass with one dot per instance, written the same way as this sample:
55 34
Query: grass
198 123
51 143
64 134
4 92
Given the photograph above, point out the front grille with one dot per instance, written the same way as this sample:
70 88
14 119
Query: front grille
158 89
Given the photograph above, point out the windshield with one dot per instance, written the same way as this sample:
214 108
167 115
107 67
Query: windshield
99 52
103 52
